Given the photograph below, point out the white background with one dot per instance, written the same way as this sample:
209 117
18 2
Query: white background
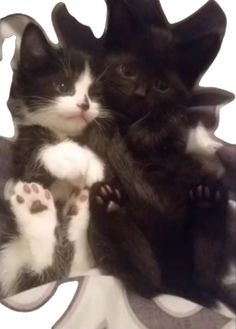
92 12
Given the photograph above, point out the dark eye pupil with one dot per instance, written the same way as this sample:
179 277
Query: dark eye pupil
61 87
162 85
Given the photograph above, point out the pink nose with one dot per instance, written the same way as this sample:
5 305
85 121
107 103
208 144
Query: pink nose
84 106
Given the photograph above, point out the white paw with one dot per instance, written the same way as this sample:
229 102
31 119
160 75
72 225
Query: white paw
96 169
36 217
65 160
77 211
31 204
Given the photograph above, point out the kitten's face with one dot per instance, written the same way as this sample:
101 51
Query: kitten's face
141 81
56 88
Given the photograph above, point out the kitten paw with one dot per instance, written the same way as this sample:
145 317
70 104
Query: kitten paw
36 218
207 196
31 202
105 198
77 202
77 215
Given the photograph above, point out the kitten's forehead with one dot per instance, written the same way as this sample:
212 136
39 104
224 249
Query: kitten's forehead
84 81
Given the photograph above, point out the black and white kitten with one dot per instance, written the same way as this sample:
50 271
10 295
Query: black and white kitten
52 101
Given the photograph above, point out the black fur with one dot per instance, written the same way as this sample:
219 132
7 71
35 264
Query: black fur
149 95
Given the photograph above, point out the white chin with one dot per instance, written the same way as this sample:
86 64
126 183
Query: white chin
72 127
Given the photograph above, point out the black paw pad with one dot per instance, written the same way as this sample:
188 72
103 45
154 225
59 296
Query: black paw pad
108 198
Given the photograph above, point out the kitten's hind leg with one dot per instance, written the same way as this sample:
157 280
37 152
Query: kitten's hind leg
76 212
36 216
33 248
208 214
118 246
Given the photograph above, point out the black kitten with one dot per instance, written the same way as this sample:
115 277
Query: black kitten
149 92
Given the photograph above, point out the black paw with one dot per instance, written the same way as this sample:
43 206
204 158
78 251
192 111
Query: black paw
105 198
207 196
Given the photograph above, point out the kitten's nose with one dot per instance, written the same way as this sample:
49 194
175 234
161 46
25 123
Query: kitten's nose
140 91
85 104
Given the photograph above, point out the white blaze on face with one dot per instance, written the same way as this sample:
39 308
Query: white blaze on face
203 144
66 106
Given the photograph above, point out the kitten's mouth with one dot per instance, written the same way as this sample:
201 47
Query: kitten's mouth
77 116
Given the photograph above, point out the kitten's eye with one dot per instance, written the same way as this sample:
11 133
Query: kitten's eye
162 86
128 71
61 87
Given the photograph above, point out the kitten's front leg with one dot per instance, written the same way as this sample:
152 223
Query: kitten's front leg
118 246
66 160
69 161
33 248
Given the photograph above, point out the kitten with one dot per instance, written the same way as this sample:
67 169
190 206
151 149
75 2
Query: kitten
149 93
52 102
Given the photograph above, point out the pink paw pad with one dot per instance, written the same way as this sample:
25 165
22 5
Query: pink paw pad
31 196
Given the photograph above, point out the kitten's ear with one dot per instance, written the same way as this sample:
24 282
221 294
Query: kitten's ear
120 24
210 97
126 18
71 33
204 105
198 39
35 48
148 13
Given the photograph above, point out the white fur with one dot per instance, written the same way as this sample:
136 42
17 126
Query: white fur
65 160
203 144
34 247
77 234
95 170
69 161
64 114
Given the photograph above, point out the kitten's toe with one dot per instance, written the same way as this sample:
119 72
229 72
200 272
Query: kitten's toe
207 196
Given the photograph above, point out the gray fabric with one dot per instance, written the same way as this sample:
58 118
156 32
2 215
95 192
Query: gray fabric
101 303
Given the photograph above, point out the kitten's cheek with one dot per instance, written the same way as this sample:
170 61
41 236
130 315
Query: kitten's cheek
91 115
